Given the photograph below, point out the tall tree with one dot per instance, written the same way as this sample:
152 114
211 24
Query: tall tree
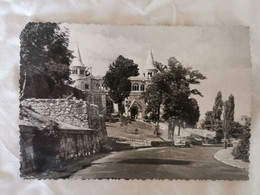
229 109
173 91
44 53
117 79
218 106
153 96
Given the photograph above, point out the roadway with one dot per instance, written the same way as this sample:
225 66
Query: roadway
162 163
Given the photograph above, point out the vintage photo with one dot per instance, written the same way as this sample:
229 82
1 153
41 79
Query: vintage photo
134 102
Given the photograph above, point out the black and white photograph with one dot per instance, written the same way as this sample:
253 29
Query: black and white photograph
134 102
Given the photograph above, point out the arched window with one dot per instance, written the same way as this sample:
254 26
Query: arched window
98 86
142 87
135 87
104 86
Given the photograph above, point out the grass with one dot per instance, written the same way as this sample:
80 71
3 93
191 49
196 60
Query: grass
145 131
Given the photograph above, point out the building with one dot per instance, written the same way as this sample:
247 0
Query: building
97 92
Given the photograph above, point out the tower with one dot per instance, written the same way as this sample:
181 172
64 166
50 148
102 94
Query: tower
149 68
80 74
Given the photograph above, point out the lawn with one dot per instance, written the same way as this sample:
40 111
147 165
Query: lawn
145 131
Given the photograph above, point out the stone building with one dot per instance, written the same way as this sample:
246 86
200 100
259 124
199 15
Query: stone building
97 92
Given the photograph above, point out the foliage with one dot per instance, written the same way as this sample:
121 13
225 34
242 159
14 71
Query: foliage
171 89
207 123
44 52
153 96
241 151
218 106
236 130
229 108
177 100
117 79
183 108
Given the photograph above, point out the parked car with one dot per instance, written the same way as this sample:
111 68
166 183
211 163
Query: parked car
194 140
182 141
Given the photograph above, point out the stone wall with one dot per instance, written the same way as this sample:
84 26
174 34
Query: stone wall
50 146
71 111
42 150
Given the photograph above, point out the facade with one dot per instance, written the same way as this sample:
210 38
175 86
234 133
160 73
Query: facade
97 92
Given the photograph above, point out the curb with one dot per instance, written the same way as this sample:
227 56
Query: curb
232 165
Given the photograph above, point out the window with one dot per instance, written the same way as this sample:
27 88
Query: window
109 103
86 86
98 86
97 99
81 71
104 86
135 87
142 87
73 71
150 74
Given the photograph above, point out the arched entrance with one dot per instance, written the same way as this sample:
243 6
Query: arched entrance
134 112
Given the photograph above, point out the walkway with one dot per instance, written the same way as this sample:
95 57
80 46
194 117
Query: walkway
225 156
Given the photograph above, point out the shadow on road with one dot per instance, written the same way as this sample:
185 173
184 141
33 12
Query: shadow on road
156 161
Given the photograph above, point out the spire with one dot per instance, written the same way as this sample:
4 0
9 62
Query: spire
77 61
149 65
79 56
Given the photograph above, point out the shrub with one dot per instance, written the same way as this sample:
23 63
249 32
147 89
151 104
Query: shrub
241 151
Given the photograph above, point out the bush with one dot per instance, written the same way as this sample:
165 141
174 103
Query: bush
241 151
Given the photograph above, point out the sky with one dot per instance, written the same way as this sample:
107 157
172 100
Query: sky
222 54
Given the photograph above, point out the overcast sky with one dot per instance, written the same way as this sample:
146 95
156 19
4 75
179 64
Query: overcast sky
222 54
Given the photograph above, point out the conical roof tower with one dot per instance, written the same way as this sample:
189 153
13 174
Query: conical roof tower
77 61
149 68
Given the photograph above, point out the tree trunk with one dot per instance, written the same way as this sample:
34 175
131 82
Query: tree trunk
225 140
120 108
173 129
170 130
158 119
179 129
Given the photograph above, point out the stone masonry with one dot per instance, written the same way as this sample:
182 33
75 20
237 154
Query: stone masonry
71 111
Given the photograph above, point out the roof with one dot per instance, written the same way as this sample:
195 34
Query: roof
77 61
149 61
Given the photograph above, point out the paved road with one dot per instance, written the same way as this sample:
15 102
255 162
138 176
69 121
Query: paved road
162 163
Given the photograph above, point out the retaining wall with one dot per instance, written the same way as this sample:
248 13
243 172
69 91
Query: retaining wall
50 147
41 150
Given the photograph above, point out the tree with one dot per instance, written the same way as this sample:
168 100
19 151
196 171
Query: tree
218 106
153 96
171 88
229 109
117 79
207 123
44 53
183 109
241 151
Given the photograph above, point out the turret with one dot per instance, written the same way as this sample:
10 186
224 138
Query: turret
80 74
149 68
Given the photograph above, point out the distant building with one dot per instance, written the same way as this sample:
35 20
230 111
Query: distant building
97 92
